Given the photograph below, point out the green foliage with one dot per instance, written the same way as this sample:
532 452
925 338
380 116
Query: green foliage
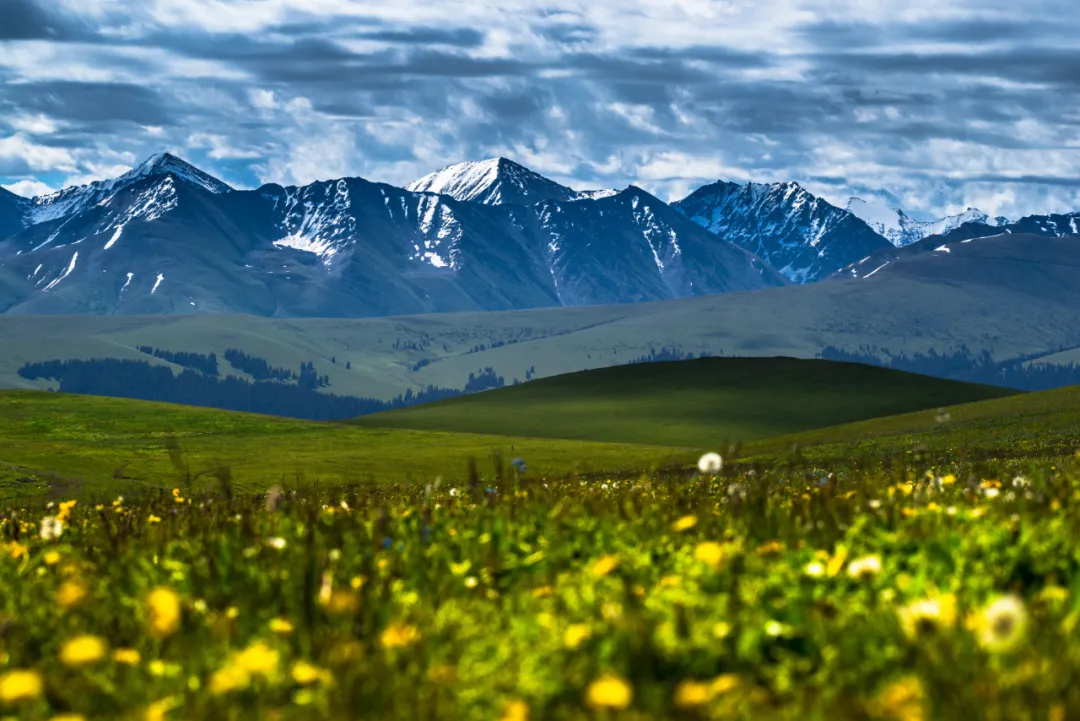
56 444
702 403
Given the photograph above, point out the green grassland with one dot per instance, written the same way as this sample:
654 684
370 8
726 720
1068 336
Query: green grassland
56 444
1029 428
916 567
704 403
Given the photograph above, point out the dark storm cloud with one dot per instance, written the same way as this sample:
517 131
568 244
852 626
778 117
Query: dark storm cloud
107 103
33 20
459 37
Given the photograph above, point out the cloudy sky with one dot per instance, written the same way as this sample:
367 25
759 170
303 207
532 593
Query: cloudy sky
940 105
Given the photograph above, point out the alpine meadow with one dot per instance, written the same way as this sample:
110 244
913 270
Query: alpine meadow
529 361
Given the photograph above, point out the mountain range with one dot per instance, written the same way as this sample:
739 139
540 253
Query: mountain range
168 238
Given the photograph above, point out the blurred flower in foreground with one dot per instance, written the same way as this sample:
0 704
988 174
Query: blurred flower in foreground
1002 623
710 463
163 605
20 685
924 618
83 650
51 528
609 691
710 553
604 565
902 700
516 710
865 567
397 635
685 523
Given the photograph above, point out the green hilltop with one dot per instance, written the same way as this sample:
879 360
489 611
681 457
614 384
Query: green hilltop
703 403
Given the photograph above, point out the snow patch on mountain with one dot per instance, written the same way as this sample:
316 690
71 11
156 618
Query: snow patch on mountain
317 219
115 237
65 274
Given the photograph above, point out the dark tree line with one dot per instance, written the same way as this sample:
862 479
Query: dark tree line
667 354
151 382
486 379
310 379
196 361
963 365
257 368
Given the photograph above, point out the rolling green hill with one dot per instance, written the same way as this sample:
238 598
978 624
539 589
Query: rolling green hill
54 444
700 403
1022 428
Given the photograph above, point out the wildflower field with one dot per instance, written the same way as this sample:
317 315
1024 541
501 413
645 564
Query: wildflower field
912 569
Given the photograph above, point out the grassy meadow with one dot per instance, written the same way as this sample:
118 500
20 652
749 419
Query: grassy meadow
56 445
703 403
920 566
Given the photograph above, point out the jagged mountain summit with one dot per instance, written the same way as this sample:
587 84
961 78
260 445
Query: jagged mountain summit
74 200
900 229
498 181
802 236
167 238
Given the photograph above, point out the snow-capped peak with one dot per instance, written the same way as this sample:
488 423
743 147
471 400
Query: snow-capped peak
163 164
900 229
76 199
496 181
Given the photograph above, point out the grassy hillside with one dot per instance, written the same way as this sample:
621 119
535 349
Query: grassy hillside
53 443
701 403
1042 426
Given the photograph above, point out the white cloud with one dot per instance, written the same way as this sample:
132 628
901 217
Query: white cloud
29 188
38 158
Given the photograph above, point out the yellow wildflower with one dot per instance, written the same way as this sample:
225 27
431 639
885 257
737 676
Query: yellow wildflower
71 594
710 553
516 710
689 694
258 659
127 656
20 685
65 510
51 558
305 673
157 711
282 626
17 550
83 650
163 605
723 683
903 700
576 635
927 616
604 565
685 523
609 691
397 635
228 679
68 717
836 562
